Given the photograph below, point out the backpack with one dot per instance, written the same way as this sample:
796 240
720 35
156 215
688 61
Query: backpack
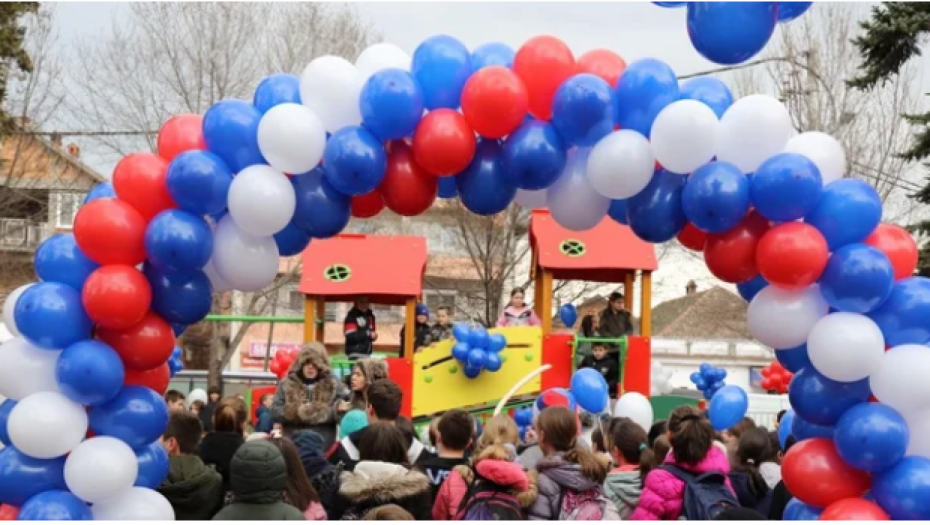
488 501
706 495
586 505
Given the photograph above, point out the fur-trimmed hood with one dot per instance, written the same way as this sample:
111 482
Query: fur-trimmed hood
522 484
299 403
379 482
314 353
373 369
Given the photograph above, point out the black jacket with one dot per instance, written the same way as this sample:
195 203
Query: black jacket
217 449
424 336
780 499
258 479
347 456
358 326
437 469
615 324
607 367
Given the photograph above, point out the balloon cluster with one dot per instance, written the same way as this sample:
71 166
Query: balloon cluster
775 378
281 362
709 379
523 417
176 361
660 382
733 32
477 350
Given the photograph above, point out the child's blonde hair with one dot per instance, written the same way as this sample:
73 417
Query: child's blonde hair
499 431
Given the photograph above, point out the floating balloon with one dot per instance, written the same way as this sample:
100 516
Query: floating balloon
441 65
330 87
871 437
137 416
852 508
276 89
248 263
22 477
602 63
752 130
110 231
543 63
140 180
898 245
573 202
100 468
407 190
47 425
710 91
492 54
786 187
55 505
261 201
727 407
643 90
199 182
134 504
290 241
180 133
381 56
230 131
156 378
180 298
369 205
621 164
444 143
858 278
788 11
494 102
792 255
781 318
153 465
824 151
582 110
143 346
684 136
900 380
50 316
731 33
617 212
101 190
59 259
731 256
815 473
179 241
534 155
26 369
89 373
903 316
484 187
291 137
902 490
715 197
320 210
656 214
747 290
849 211
821 401
392 104
568 315
793 359
636 407
845 347
590 390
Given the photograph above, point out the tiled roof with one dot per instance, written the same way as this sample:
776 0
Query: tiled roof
715 313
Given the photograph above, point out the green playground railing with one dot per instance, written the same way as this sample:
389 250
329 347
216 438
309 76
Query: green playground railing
621 342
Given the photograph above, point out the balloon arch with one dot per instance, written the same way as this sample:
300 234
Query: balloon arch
230 192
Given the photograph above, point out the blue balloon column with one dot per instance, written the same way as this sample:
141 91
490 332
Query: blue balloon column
477 350
709 379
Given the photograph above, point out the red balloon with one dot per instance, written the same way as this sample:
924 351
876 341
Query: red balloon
731 256
116 296
603 63
8 512
815 474
368 205
110 231
854 509
768 384
276 368
543 63
180 133
692 238
444 142
792 255
766 371
407 189
155 378
141 180
494 102
895 242
146 344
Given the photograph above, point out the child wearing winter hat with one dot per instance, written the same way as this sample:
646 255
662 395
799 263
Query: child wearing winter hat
258 479
353 421
422 330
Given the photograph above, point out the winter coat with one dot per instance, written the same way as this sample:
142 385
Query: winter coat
300 403
194 490
437 469
423 337
375 483
258 478
323 476
780 498
217 449
607 367
347 454
663 493
518 317
358 327
502 472
373 369
554 476
623 486
742 486
206 416
265 423
615 324
440 333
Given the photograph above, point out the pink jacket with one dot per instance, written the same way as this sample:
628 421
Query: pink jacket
504 473
663 493
518 317
315 512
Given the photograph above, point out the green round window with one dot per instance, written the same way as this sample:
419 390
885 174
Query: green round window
337 273
572 248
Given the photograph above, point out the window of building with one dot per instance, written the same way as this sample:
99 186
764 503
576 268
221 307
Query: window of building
66 208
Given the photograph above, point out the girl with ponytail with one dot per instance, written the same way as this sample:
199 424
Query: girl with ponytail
634 459
753 492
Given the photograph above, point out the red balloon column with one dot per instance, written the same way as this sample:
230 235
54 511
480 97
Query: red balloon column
543 63
139 179
180 133
110 231
896 243
731 256
494 102
407 188
603 63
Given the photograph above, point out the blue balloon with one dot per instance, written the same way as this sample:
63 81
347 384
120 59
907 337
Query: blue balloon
534 155
671 4
583 110
22 477
460 351
5 408
180 298
716 197
471 372
279 88
523 416
793 359
786 187
788 11
822 401
448 188
137 416
802 429
355 161
391 104
695 377
849 211
731 32
51 316
90 372
705 368
59 259
199 182
903 316
461 332
871 437
153 465
727 407
749 289
784 429
568 314
479 338
796 510
230 130
477 358
643 90
496 342
902 490
701 384
102 190
178 329
858 278
291 240
655 214
493 362
441 65
590 390
177 241
484 187
55 505
720 374
617 211
492 54
710 91
321 211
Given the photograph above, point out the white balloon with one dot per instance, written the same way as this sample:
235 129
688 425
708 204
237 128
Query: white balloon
783 319
901 379
47 425
246 262
291 138
753 129
573 202
261 200
9 306
26 369
197 394
824 151
621 164
531 199
636 407
381 56
216 280
684 136
846 347
660 380
134 504
330 86
918 426
100 468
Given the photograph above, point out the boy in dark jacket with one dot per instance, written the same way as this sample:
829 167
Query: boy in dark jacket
442 330
360 329
258 480
422 330
263 413
453 437
605 365
194 490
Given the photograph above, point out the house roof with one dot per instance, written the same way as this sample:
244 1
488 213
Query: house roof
605 253
715 313
83 176
388 269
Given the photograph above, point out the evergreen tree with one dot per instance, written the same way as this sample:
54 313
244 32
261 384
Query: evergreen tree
893 36
12 54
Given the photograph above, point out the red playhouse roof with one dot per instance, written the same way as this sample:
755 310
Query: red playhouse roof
388 269
604 253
